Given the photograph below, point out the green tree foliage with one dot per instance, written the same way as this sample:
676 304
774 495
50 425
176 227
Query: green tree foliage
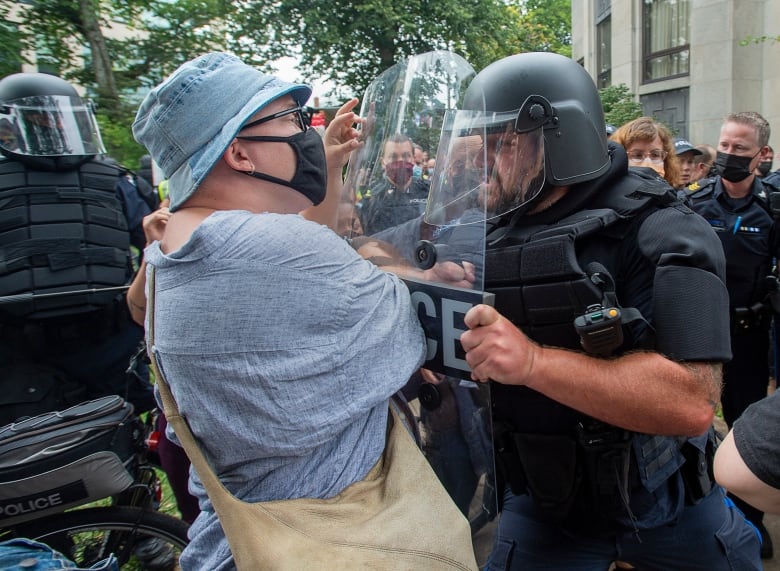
619 105
115 70
172 32
759 40
345 42
350 43
551 22
11 43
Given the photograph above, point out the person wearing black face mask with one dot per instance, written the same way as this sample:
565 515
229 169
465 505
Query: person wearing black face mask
764 171
398 196
259 305
736 204
765 165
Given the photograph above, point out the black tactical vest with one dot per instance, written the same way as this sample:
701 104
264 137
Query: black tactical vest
544 277
542 285
60 232
539 281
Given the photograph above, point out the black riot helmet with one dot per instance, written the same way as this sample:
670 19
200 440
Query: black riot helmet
527 122
46 124
574 143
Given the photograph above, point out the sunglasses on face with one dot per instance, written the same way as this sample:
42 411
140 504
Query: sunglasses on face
302 119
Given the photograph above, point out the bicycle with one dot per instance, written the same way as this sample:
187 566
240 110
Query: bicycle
54 464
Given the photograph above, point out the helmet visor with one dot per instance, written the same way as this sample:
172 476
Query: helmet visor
485 168
49 125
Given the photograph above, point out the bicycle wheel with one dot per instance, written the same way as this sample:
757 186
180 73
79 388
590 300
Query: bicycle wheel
139 538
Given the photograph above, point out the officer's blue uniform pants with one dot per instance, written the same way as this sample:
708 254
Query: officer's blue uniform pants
710 536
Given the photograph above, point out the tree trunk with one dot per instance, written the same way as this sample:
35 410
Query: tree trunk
101 60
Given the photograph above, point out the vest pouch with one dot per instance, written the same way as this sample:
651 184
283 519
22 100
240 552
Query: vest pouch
552 474
29 389
606 453
697 471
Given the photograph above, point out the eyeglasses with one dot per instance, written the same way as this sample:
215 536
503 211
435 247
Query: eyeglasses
302 118
656 156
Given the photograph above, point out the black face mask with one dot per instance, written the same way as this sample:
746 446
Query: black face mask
764 167
733 168
311 171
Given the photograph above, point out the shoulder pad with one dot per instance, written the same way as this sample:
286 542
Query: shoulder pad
651 183
631 193
773 178
771 185
701 183
655 187
701 187
111 163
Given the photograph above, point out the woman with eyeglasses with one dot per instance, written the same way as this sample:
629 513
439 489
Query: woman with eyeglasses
650 144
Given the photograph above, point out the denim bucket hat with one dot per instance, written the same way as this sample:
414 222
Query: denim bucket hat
188 121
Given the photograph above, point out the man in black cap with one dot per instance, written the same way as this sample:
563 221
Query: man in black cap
685 154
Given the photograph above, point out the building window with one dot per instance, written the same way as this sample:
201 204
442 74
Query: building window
666 46
604 53
45 62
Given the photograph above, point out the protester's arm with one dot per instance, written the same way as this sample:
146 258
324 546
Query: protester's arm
383 255
154 228
747 462
136 295
340 139
732 473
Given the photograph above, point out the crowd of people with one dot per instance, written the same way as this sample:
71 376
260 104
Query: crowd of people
731 186
609 347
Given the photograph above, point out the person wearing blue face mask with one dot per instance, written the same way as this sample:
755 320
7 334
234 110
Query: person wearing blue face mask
736 204
271 330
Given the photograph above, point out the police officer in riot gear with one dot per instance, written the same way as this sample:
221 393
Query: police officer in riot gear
68 219
606 341
736 203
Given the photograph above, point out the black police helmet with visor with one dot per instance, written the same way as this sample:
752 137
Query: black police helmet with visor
45 122
528 122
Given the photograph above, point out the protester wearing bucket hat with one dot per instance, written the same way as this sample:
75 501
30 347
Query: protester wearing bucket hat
685 152
186 126
272 332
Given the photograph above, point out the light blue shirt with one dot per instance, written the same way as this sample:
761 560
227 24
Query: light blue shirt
281 346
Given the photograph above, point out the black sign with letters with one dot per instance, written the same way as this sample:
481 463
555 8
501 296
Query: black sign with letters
441 310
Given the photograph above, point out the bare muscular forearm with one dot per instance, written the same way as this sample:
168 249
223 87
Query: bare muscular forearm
136 296
643 391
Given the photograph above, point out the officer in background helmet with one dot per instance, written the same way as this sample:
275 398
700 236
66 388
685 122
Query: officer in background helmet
68 219
606 342
54 129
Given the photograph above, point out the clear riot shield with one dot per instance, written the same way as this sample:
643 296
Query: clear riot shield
414 102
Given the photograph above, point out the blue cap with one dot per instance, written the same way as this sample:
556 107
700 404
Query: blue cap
188 121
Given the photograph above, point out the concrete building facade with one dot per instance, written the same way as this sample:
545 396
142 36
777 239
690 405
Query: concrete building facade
687 61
